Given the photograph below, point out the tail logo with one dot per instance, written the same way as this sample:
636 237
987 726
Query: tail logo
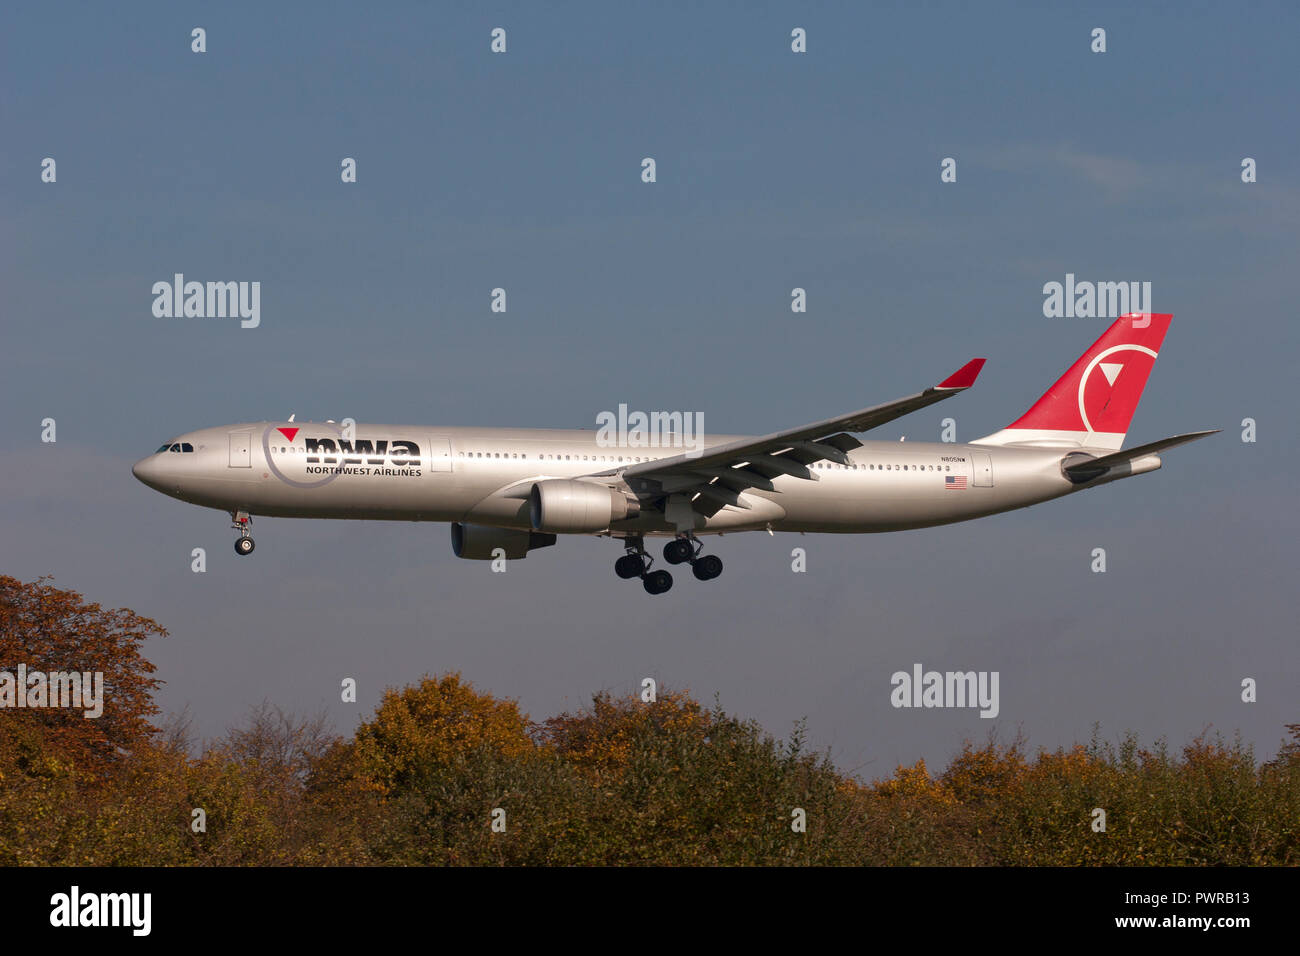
1111 371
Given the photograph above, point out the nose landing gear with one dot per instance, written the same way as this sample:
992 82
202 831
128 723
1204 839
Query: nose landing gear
242 520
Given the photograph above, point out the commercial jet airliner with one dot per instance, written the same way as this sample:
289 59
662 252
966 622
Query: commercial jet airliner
508 491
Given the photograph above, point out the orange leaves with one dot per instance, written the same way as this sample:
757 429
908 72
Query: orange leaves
975 775
913 781
49 629
434 723
600 739
621 781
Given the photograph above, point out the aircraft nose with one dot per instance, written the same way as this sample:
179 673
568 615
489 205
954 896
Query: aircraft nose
147 470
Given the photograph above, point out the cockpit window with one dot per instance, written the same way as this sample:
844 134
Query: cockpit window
186 446
162 449
175 446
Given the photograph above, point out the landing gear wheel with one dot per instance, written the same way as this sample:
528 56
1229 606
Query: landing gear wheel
629 566
244 546
707 568
657 582
678 551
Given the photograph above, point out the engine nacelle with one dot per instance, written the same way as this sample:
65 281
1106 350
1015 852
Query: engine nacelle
558 505
478 541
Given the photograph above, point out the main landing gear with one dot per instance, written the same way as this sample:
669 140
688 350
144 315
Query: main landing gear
687 548
242 521
636 562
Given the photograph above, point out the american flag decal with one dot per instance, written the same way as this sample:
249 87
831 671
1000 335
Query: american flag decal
954 482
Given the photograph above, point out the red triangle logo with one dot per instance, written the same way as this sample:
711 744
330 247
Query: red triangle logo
288 432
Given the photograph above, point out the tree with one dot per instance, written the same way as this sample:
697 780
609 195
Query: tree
49 629
433 724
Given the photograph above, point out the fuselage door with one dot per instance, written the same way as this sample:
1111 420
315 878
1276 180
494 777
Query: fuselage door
983 469
439 453
241 446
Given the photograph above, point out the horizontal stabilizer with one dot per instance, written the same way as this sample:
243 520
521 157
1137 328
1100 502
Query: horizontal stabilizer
1096 466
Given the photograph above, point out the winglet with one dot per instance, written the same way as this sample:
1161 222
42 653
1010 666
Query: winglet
964 377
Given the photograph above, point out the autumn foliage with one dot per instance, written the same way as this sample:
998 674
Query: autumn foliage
621 781
49 629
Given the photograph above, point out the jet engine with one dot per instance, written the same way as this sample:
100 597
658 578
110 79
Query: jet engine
478 541
569 507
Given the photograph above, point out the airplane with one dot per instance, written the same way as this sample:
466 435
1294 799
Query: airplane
509 491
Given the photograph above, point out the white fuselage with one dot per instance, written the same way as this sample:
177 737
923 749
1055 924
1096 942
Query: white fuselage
482 476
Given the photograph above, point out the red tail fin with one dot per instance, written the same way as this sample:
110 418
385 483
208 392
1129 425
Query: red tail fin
1092 404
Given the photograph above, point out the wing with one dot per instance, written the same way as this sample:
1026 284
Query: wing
717 477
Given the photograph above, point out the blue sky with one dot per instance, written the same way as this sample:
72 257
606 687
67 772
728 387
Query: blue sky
775 170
